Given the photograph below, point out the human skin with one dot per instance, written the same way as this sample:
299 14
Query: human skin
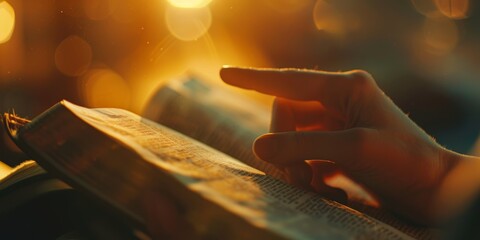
345 118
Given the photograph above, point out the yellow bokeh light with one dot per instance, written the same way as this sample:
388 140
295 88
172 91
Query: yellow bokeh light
454 9
7 21
103 87
327 19
440 34
188 24
189 3
73 56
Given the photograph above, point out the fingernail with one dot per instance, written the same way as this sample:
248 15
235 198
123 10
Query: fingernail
266 147
227 70
228 66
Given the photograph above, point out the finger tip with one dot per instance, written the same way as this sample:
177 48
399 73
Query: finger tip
235 75
264 146
227 72
227 66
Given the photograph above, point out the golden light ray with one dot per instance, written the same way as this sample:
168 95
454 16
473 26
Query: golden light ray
212 50
188 24
7 21
162 48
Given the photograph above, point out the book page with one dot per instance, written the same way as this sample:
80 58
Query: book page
221 119
4 170
26 183
262 200
21 172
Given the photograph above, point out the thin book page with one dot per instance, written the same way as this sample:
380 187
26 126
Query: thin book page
4 170
21 172
262 200
218 118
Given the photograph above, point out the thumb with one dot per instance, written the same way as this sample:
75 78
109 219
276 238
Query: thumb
344 147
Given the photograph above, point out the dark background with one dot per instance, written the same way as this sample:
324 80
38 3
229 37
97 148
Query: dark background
115 53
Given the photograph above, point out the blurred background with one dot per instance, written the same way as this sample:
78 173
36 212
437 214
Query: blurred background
117 53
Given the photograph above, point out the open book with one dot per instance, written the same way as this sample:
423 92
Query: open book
119 158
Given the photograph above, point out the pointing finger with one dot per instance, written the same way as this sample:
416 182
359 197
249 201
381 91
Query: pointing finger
333 89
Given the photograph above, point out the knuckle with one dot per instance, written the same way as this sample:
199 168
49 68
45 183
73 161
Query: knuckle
363 88
359 73
362 80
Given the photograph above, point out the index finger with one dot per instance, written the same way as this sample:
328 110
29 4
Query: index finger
330 88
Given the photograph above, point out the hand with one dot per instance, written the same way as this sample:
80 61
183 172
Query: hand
346 119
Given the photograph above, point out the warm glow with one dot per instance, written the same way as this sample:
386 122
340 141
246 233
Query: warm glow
440 34
189 3
454 9
102 87
98 10
7 21
287 6
203 58
73 56
188 24
326 18
123 11
425 7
